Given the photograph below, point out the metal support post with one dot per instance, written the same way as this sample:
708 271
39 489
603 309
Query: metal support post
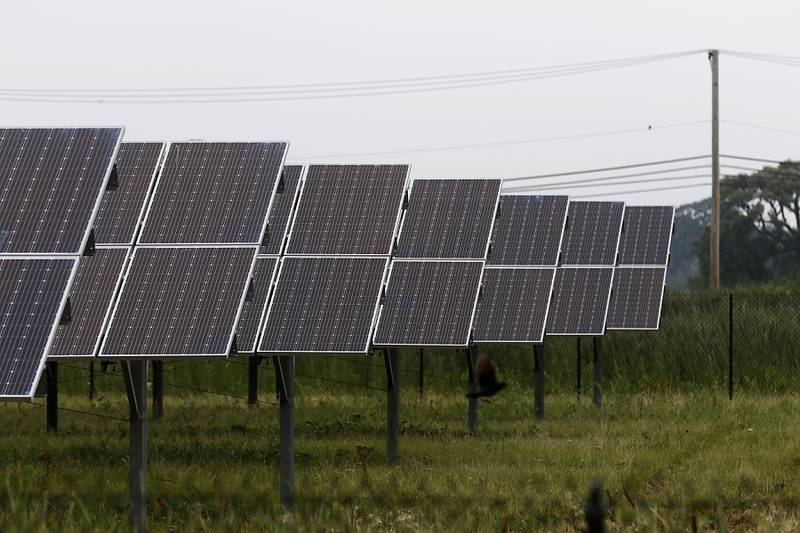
51 370
538 381
421 373
252 380
158 389
284 377
135 376
472 408
578 368
597 392
391 360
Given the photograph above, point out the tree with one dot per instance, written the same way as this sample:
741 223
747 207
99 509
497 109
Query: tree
759 221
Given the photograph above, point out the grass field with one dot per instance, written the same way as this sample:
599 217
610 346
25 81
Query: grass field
664 460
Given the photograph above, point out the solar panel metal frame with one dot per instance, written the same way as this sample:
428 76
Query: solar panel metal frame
669 241
437 260
273 282
111 304
616 250
540 340
98 199
560 239
608 301
375 312
151 200
148 197
132 257
53 327
290 220
660 301
399 232
296 209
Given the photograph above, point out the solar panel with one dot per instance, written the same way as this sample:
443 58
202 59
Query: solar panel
592 233
179 302
513 306
449 218
51 181
348 210
646 235
580 301
33 294
323 305
636 299
214 193
278 221
528 230
91 298
255 307
429 303
121 209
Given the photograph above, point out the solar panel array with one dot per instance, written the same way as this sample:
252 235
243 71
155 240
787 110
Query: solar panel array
640 276
122 208
348 210
255 306
636 300
592 234
185 286
213 193
279 215
91 300
51 183
580 301
529 230
432 302
518 280
329 285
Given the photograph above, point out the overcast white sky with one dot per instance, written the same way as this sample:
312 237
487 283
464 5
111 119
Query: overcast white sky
200 43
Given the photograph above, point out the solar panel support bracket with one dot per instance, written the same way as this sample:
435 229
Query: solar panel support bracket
89 249
234 347
113 179
265 238
390 371
280 379
66 314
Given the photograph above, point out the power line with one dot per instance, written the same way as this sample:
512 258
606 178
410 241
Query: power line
319 91
638 191
607 169
618 183
606 133
760 127
605 178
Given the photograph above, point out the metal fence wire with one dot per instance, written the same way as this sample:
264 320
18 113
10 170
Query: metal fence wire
690 351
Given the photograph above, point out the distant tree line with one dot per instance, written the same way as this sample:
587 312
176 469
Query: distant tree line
759 228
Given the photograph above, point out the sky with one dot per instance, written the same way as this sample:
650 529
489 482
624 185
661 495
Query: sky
176 44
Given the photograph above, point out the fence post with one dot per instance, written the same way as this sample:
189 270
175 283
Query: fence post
730 345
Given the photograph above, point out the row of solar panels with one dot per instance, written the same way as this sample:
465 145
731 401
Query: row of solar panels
347 255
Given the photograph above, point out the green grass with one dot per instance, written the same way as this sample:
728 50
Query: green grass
664 459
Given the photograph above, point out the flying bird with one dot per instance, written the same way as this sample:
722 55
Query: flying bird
485 377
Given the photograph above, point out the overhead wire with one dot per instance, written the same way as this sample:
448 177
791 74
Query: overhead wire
319 90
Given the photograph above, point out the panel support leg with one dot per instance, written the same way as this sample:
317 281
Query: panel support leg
392 359
252 380
579 367
472 408
135 375
91 380
538 382
421 373
284 378
597 394
158 389
51 370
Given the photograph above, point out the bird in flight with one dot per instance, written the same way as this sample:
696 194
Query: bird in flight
485 377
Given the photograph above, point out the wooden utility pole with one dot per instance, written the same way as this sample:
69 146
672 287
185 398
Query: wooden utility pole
713 56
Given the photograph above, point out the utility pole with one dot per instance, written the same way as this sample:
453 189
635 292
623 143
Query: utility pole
713 57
